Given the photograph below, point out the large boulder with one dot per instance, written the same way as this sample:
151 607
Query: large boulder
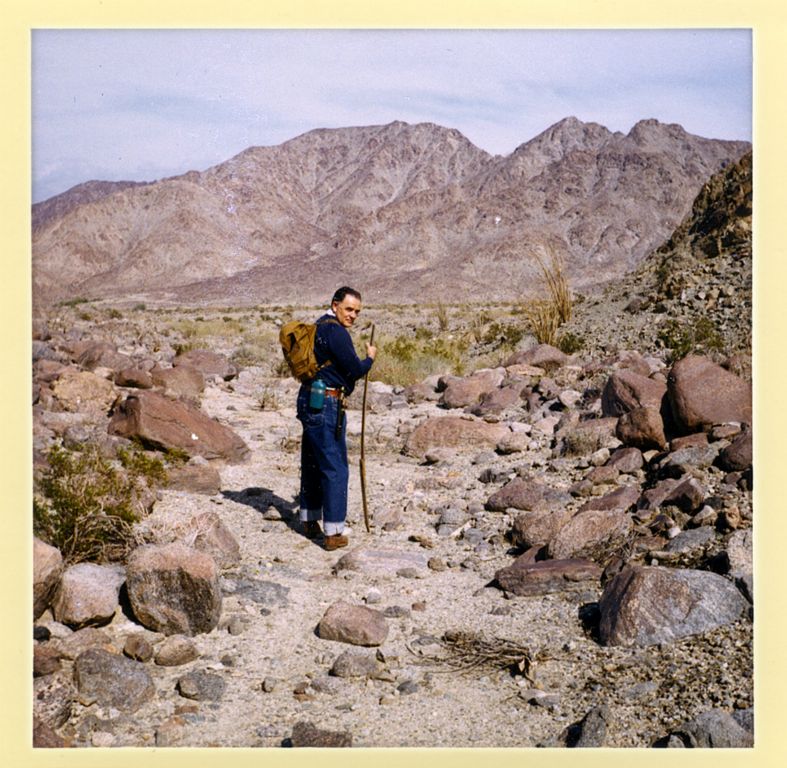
702 394
353 624
453 432
646 605
174 589
88 595
160 423
47 571
626 390
207 363
460 393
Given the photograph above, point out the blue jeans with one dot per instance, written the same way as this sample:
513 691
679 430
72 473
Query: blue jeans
324 470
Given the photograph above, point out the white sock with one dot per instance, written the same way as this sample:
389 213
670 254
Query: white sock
333 529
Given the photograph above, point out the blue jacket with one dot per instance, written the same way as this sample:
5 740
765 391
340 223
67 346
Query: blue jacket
333 342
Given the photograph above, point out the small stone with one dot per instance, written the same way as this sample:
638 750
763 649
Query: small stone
408 687
201 686
373 596
436 564
138 648
175 651
102 739
46 660
306 734
236 626
269 684
419 606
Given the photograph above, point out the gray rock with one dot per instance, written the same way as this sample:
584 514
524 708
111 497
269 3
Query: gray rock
645 605
357 664
381 562
306 734
88 595
714 728
138 648
53 699
690 541
174 589
201 686
592 730
739 553
111 680
353 624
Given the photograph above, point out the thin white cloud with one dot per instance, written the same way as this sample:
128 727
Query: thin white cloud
131 103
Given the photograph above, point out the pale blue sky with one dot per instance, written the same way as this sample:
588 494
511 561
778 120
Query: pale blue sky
144 104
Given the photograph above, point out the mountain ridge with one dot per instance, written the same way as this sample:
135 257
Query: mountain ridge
399 209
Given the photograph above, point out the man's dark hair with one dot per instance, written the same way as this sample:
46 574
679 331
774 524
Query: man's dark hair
338 297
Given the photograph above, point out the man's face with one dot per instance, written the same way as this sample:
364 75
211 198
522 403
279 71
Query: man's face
347 310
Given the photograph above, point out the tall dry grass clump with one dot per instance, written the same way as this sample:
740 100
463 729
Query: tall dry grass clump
546 315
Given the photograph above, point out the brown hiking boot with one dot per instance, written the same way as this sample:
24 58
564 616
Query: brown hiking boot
311 529
335 542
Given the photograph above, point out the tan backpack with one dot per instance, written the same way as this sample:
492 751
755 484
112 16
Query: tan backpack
297 345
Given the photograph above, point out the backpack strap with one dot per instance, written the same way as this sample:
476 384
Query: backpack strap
327 320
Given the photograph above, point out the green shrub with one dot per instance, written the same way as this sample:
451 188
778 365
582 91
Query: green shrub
115 314
88 504
684 338
569 342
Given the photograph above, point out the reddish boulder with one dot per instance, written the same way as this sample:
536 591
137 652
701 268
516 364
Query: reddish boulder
702 394
642 428
183 381
161 423
354 624
626 390
527 577
453 432
460 393
532 495
592 534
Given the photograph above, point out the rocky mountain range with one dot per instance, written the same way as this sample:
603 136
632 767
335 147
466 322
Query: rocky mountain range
405 212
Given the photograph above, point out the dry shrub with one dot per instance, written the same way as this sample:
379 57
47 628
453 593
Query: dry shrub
548 314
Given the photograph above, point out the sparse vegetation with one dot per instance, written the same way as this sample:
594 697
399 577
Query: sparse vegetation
546 315
697 336
87 504
405 360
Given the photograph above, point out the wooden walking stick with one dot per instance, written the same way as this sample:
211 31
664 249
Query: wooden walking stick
363 435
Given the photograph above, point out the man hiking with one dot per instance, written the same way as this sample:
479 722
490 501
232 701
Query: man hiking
324 469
